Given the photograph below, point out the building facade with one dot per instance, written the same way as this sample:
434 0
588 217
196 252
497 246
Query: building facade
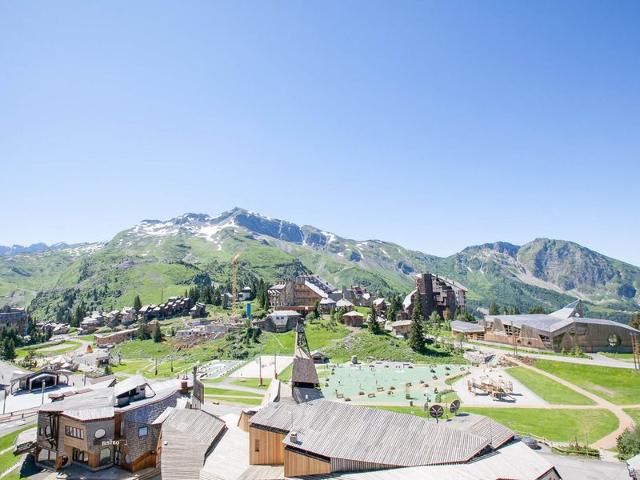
437 294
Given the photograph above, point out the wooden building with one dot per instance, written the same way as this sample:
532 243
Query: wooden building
302 292
324 437
437 294
399 327
13 317
279 321
561 330
186 438
327 305
103 426
353 319
470 330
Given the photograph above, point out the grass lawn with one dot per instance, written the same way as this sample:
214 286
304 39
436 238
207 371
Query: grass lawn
623 357
547 389
285 375
558 425
320 334
634 413
618 385
138 356
48 349
418 411
8 440
242 401
252 382
86 338
365 345
8 459
130 366
214 391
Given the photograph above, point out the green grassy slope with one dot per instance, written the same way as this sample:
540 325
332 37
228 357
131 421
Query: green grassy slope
618 385
547 389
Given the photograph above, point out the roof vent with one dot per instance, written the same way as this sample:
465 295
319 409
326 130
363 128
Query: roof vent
294 437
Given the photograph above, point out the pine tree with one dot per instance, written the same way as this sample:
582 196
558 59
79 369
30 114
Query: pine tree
434 318
137 304
8 349
416 335
493 308
447 314
635 321
217 297
142 333
78 315
374 326
157 333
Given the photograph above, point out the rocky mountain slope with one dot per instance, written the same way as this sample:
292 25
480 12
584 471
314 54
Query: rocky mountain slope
158 258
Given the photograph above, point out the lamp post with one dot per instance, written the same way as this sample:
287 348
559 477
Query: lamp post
4 401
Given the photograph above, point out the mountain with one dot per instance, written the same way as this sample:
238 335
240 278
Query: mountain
158 258
33 248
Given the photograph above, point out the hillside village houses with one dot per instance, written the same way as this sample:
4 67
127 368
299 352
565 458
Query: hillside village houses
304 292
174 306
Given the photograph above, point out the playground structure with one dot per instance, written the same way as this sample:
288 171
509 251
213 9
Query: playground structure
497 388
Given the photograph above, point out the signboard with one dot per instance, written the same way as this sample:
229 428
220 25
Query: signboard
109 443
436 411
197 399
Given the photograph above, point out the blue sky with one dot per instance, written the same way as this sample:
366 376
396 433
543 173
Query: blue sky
436 125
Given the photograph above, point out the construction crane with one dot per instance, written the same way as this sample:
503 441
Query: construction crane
234 281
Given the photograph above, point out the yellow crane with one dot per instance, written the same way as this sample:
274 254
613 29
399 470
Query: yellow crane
234 281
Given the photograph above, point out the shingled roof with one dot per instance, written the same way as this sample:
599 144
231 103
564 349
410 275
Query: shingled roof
350 432
187 436
304 371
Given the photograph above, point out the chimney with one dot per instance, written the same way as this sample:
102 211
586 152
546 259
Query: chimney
294 437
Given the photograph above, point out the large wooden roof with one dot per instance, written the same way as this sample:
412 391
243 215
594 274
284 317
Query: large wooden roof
187 435
350 432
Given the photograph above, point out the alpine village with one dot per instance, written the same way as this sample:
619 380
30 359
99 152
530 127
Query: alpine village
242 347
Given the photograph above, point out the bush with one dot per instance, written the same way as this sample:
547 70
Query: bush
629 443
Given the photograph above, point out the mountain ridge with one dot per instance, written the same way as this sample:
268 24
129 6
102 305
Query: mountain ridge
175 253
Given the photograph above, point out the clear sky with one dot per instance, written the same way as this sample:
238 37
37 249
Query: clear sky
436 125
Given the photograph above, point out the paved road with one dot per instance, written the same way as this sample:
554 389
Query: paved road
594 358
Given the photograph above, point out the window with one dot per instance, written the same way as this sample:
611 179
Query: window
257 445
143 432
73 432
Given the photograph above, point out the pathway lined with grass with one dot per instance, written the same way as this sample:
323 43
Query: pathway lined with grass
624 419
616 385
547 389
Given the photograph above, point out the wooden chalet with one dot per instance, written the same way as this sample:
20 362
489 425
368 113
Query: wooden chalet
353 319
561 330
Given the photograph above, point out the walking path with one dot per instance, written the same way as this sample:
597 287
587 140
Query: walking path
624 420
594 358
